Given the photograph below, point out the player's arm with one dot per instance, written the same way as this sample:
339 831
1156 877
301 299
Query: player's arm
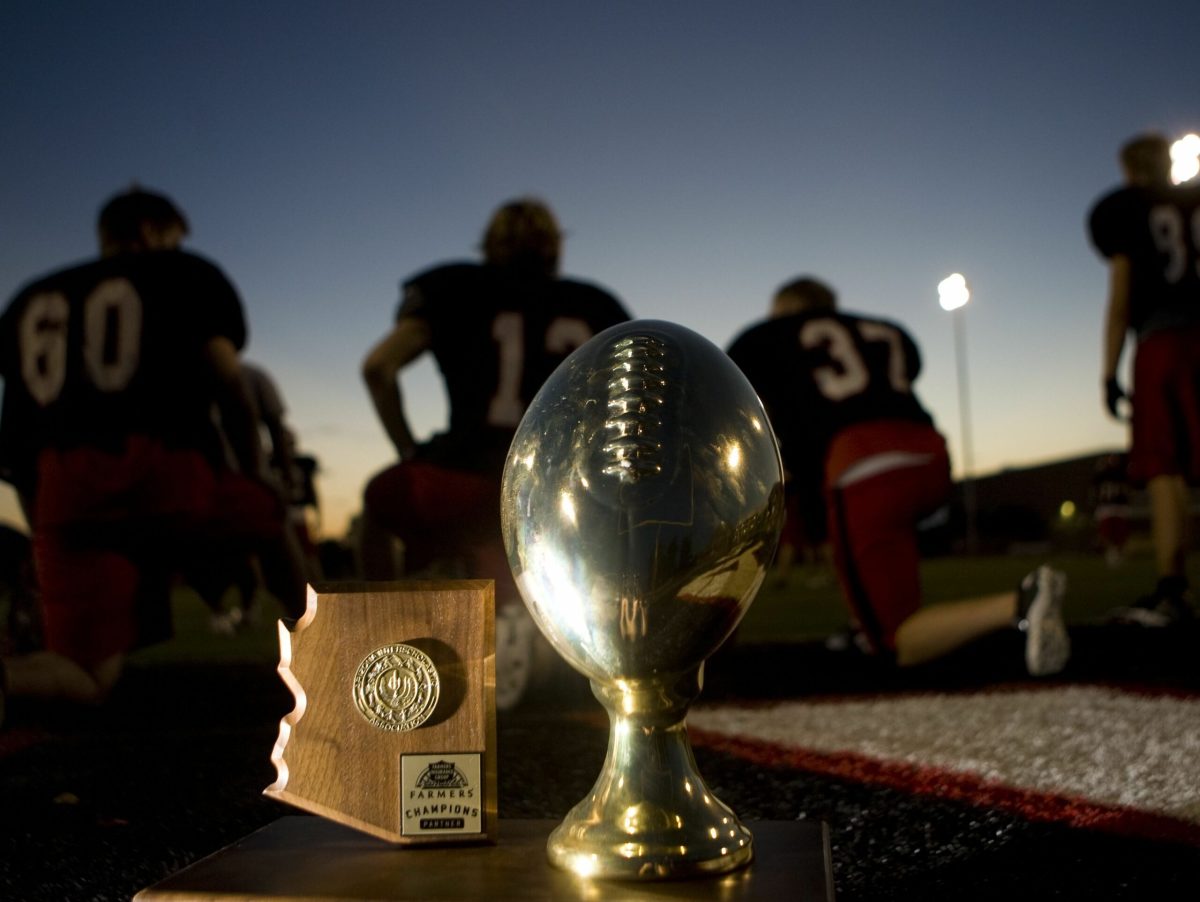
237 410
271 411
1116 327
283 444
410 338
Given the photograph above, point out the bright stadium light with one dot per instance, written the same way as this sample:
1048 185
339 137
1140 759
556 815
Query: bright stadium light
953 295
1185 158
953 292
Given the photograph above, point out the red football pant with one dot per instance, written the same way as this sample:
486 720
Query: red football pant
1166 407
873 518
112 527
439 512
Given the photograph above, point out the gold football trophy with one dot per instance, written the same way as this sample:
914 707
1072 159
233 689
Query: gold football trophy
642 502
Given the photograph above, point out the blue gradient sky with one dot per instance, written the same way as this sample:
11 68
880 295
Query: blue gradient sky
698 154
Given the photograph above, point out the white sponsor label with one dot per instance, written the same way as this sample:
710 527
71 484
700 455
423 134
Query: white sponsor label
441 795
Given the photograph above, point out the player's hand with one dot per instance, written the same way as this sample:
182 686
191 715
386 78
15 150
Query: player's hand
1113 396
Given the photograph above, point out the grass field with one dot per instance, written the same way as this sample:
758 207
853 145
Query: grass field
805 606
808 605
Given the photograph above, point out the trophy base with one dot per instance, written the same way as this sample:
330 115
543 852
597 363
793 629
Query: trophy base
303 857
650 815
597 851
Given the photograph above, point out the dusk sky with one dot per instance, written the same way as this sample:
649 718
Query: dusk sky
697 153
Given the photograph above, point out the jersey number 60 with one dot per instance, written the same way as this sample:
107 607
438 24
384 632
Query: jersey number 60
112 335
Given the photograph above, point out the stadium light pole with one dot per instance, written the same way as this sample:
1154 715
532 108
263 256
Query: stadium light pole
953 295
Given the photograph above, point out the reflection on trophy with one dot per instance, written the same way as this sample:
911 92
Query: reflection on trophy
642 502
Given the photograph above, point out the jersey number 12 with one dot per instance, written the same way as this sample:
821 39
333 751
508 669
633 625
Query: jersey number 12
563 335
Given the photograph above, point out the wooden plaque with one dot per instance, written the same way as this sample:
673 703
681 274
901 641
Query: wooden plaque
394 729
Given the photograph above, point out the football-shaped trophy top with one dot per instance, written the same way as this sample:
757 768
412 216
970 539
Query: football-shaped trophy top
642 501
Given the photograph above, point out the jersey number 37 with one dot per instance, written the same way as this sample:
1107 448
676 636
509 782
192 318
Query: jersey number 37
847 373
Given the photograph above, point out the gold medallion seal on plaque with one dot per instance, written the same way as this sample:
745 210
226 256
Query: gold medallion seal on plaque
396 687
394 728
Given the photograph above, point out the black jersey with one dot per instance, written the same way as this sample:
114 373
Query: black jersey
1158 229
112 348
819 372
497 334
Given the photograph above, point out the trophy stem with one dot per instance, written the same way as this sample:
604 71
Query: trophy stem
650 814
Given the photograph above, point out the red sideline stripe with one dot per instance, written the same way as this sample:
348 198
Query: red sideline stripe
1183 693
963 787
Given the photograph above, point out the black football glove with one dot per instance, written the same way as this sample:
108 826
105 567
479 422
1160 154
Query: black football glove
1113 396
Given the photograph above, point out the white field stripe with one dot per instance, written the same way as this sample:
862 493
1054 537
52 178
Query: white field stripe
1102 745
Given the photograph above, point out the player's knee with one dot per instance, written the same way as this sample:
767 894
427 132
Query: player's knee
382 494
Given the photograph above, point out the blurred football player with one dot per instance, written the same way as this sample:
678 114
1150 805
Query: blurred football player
110 369
293 478
1110 491
497 329
1149 232
805 533
838 390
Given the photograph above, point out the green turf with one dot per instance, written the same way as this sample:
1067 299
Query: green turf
806 605
195 640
